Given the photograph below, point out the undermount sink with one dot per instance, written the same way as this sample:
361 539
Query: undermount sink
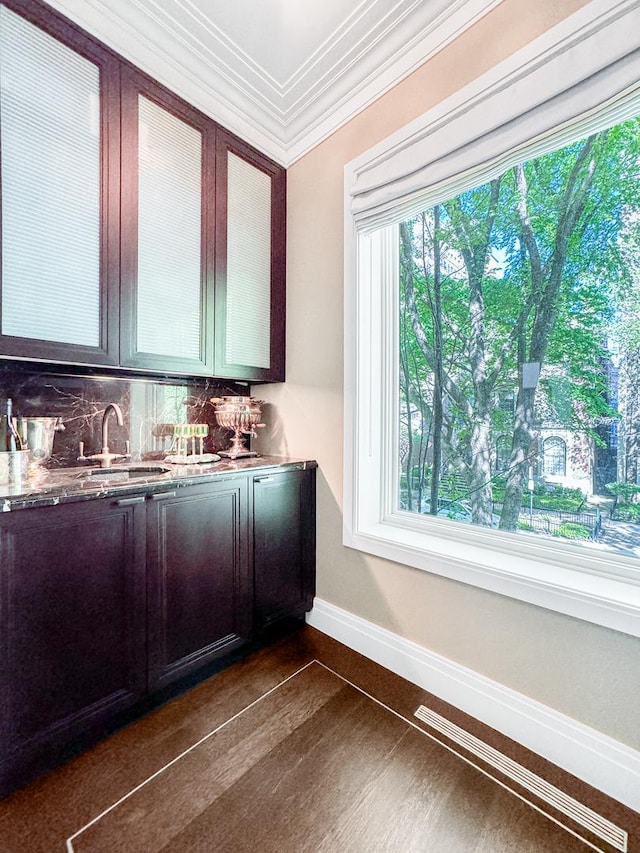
127 472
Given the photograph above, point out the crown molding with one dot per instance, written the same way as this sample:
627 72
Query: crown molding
328 114
180 71
365 56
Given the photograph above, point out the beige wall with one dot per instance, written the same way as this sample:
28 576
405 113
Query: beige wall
587 672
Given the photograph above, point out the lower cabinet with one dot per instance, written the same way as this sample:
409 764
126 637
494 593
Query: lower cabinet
105 601
72 626
283 544
199 589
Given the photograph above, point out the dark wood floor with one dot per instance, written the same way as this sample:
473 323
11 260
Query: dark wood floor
279 753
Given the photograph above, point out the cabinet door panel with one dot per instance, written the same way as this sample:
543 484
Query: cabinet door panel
250 263
59 105
199 585
72 631
284 544
247 323
167 238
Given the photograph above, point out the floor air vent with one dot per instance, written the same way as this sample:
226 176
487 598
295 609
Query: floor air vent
581 814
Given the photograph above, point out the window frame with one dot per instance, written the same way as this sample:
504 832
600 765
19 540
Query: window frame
587 583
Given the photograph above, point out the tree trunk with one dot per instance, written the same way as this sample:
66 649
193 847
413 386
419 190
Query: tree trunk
523 456
475 247
480 491
405 388
546 281
438 371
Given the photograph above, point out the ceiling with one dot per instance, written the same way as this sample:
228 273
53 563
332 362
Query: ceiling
283 74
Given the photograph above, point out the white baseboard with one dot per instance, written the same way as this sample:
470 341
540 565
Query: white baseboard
597 759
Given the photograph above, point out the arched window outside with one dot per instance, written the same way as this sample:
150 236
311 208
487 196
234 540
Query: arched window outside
555 457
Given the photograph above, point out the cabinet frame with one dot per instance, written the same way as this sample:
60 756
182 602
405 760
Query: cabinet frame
135 83
228 143
107 351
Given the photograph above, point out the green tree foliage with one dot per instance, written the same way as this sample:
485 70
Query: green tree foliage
531 268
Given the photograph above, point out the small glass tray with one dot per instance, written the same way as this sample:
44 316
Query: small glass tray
191 458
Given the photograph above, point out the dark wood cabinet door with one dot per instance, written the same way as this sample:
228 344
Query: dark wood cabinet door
283 544
250 265
60 165
199 581
167 231
72 643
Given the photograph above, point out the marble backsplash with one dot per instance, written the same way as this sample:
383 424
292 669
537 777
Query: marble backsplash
79 401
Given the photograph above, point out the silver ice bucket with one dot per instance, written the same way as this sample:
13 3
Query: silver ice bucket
37 434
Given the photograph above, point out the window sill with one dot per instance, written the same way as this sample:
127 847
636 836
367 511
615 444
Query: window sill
563 579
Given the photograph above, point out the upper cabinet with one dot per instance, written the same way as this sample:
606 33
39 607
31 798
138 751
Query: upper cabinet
136 233
59 143
168 230
250 271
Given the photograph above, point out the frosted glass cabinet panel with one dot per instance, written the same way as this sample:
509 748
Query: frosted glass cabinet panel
55 228
248 317
250 263
166 203
169 216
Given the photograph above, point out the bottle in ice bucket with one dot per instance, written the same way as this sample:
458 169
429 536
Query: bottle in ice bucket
9 437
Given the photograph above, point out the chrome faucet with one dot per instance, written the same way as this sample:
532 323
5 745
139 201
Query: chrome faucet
105 457
117 411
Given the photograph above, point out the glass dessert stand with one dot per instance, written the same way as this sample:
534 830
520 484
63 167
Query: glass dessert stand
188 443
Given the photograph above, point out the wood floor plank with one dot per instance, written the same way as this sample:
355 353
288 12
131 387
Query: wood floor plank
403 805
428 799
404 697
514 825
148 819
310 778
369 790
39 817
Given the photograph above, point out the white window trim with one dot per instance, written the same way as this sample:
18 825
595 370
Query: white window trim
584 582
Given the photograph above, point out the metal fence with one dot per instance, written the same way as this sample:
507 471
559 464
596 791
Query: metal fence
552 521
548 521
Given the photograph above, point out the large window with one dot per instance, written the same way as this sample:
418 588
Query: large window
530 282
492 282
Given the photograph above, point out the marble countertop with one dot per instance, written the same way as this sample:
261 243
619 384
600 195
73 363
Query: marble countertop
49 487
